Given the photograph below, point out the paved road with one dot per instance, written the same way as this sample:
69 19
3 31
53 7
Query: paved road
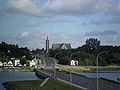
75 78
49 61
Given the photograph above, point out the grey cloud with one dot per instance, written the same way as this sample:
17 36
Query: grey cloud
108 37
110 40
101 33
38 23
115 20
60 7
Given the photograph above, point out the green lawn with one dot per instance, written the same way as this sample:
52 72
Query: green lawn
110 82
35 84
85 68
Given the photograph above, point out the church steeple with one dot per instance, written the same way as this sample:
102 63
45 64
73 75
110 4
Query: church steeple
47 37
47 45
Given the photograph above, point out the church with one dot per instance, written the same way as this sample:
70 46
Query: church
61 46
57 45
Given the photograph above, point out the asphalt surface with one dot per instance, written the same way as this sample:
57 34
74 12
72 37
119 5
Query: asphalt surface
50 63
76 79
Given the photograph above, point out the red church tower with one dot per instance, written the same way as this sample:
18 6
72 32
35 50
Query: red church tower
47 45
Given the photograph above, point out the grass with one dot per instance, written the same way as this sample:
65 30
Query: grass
23 85
35 84
110 82
26 69
85 68
59 85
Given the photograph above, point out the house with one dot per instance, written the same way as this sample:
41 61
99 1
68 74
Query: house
1 64
10 64
32 63
37 60
61 46
17 62
74 62
4 63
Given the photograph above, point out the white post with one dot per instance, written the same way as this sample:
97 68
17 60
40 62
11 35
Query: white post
70 78
70 70
97 66
97 72
54 67
54 73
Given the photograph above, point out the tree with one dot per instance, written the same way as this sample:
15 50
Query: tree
37 51
88 62
3 57
116 58
27 63
13 51
93 45
64 60
23 60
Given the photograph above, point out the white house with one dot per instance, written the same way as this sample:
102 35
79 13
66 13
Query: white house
1 64
32 63
74 62
4 63
10 64
17 62
37 61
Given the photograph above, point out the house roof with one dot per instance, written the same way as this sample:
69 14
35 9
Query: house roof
59 45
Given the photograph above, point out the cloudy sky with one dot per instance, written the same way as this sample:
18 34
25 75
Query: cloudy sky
28 22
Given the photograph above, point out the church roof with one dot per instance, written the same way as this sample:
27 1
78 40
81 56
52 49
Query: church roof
60 45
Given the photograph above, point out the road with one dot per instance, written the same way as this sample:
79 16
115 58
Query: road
75 78
50 63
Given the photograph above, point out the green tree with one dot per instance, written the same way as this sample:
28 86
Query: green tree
27 63
93 45
88 62
64 60
23 60
116 58
3 57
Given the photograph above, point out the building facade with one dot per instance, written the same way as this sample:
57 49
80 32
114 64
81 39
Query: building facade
74 62
17 62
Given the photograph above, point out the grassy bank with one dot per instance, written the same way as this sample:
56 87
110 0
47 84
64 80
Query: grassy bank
112 82
85 68
26 69
35 85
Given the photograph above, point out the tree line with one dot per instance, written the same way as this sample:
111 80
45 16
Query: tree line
8 51
87 54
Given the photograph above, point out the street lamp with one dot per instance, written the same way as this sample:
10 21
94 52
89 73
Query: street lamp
97 64
70 64
57 54
55 63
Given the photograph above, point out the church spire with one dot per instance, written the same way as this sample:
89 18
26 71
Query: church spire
47 45
47 37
